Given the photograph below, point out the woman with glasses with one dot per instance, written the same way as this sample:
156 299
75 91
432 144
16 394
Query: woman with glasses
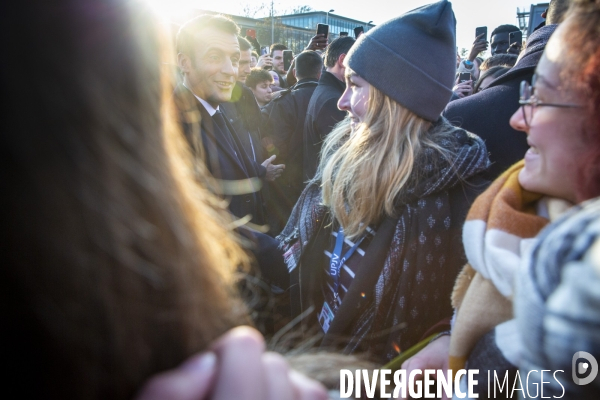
559 114
557 301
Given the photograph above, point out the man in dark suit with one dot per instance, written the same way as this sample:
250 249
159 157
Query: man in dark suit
323 112
208 56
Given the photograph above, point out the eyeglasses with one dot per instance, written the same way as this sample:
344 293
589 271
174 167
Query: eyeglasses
527 98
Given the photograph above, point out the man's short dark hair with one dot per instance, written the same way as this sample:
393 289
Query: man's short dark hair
308 64
186 35
244 44
255 55
256 76
336 48
504 28
277 46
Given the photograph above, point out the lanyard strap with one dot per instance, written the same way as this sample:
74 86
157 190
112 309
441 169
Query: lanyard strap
337 260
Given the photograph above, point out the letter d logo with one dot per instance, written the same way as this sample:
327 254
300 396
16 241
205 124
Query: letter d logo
583 367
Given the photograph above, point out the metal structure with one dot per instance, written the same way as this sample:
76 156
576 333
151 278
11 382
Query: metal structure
529 20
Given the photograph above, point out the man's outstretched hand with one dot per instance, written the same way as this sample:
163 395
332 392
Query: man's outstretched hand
273 171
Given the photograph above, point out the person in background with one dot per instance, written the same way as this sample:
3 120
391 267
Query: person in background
372 244
499 43
277 56
323 112
284 125
317 43
119 263
505 145
260 83
561 9
499 60
242 110
253 59
276 85
513 253
245 61
488 76
472 62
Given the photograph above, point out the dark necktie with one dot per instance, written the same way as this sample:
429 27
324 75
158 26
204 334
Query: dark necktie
219 120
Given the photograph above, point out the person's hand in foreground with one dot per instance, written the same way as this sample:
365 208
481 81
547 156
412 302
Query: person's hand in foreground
433 356
235 367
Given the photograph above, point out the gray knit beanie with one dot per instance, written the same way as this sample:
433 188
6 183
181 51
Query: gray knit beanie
416 55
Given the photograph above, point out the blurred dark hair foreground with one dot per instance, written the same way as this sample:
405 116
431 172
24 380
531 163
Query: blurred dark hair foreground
116 265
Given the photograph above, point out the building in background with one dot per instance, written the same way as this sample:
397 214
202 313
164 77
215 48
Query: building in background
336 23
294 30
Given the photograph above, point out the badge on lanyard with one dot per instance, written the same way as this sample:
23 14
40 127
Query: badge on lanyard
335 266
325 317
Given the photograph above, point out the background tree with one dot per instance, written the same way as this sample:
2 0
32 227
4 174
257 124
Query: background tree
301 9
251 10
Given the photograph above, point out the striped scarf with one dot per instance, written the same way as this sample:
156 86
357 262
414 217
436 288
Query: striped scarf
502 223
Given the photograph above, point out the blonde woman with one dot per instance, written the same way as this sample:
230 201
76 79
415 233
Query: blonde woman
373 245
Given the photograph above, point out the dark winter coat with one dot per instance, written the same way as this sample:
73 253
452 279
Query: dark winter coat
321 117
284 125
488 112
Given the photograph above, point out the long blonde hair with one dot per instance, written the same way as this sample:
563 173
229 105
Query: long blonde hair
363 172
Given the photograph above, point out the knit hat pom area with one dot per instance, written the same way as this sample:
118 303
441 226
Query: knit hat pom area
416 55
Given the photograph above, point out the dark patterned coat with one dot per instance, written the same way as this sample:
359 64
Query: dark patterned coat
402 286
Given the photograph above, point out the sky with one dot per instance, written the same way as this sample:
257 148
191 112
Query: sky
469 13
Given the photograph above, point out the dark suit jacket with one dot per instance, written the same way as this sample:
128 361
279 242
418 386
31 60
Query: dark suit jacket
488 112
224 156
244 114
321 117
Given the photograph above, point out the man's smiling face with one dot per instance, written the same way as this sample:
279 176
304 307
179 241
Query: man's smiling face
214 70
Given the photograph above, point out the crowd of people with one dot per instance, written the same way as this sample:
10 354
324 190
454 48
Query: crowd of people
158 226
